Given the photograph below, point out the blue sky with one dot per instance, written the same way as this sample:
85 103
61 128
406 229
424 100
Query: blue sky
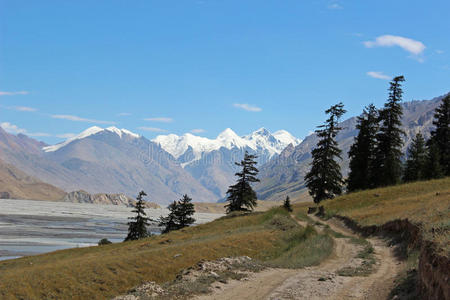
173 66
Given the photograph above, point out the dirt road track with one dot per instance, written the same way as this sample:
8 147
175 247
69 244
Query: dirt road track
319 282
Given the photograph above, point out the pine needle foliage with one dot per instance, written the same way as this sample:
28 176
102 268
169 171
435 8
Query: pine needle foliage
180 215
440 136
287 204
324 180
362 152
417 160
137 228
388 164
241 196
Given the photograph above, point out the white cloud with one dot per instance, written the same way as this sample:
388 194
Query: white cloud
198 130
438 51
3 93
79 119
160 119
378 75
124 114
247 107
335 6
11 128
23 108
14 129
152 129
414 47
66 135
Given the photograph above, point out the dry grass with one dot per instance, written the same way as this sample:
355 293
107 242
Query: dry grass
110 270
426 203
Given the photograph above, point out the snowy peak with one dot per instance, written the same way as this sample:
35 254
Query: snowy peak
286 138
260 140
89 132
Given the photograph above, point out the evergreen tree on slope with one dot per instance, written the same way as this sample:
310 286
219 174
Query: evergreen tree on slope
417 160
440 136
241 196
324 180
137 228
362 152
184 212
388 164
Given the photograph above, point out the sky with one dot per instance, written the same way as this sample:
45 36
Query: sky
200 66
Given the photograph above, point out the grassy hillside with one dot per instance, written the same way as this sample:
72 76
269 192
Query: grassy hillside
426 203
106 271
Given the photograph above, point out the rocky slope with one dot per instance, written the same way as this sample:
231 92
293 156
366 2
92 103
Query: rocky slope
284 174
104 161
108 199
15 184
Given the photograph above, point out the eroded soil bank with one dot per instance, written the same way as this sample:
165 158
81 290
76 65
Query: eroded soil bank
433 270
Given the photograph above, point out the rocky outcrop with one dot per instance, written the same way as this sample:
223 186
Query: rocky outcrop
108 199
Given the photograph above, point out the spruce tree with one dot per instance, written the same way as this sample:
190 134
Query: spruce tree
417 160
241 196
440 136
433 163
170 222
137 228
287 204
388 165
324 180
362 152
184 212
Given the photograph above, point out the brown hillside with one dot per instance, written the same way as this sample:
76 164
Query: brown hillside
15 184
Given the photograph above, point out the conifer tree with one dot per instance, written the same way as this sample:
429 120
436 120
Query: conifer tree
388 165
184 212
241 196
287 204
433 164
417 160
324 180
137 228
170 222
440 136
362 152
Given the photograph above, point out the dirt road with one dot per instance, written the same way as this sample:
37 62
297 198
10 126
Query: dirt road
320 282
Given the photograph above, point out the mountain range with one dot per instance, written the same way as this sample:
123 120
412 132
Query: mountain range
284 174
112 160
212 161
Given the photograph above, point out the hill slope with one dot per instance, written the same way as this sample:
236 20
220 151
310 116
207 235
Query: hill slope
285 174
15 184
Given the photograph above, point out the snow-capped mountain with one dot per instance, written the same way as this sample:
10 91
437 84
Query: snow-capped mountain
260 142
211 161
88 132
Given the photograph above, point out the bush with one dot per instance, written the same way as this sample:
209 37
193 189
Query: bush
104 242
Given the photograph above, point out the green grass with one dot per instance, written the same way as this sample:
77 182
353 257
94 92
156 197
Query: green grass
109 270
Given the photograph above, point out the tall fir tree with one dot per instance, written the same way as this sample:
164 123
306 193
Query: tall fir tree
388 165
170 223
287 204
362 152
185 211
417 160
241 196
440 136
137 228
324 180
433 164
